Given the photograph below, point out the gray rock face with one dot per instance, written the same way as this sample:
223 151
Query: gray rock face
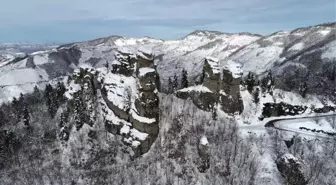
230 98
144 116
203 100
223 88
289 167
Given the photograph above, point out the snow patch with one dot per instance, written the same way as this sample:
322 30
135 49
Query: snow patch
71 90
124 50
198 88
324 32
234 68
142 119
125 129
204 140
330 52
214 64
298 46
145 50
144 70
136 134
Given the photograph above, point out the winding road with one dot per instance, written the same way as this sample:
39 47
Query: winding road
276 124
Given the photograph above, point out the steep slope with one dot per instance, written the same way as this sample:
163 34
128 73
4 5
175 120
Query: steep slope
303 57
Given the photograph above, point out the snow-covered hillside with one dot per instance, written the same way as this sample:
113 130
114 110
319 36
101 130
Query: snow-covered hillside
120 110
281 47
171 57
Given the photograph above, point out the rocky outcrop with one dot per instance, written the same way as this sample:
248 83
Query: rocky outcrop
217 86
290 168
124 63
211 77
230 98
205 100
147 103
130 92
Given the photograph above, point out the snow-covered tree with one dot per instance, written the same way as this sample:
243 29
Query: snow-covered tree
303 89
267 84
60 90
250 82
184 79
26 117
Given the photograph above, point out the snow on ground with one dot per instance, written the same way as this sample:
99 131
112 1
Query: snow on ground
142 119
204 140
145 50
71 89
124 50
125 129
144 70
214 64
324 32
138 135
198 88
256 58
22 76
234 68
41 59
295 99
330 51
297 46
241 40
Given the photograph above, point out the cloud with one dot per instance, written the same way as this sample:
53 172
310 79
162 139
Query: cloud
162 18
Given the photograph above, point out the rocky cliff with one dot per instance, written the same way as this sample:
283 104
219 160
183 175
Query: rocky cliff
217 86
127 92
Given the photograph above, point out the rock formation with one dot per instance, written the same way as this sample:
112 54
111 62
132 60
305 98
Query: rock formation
289 167
218 85
130 92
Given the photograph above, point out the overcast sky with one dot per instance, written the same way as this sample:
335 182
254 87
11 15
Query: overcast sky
77 20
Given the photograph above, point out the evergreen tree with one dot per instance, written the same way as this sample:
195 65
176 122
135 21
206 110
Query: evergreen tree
16 108
60 90
79 111
256 96
170 85
214 113
21 103
51 100
26 117
303 89
36 94
184 79
175 83
270 83
48 92
263 86
250 82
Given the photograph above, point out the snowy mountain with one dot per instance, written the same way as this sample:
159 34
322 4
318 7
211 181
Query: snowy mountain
305 55
209 108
